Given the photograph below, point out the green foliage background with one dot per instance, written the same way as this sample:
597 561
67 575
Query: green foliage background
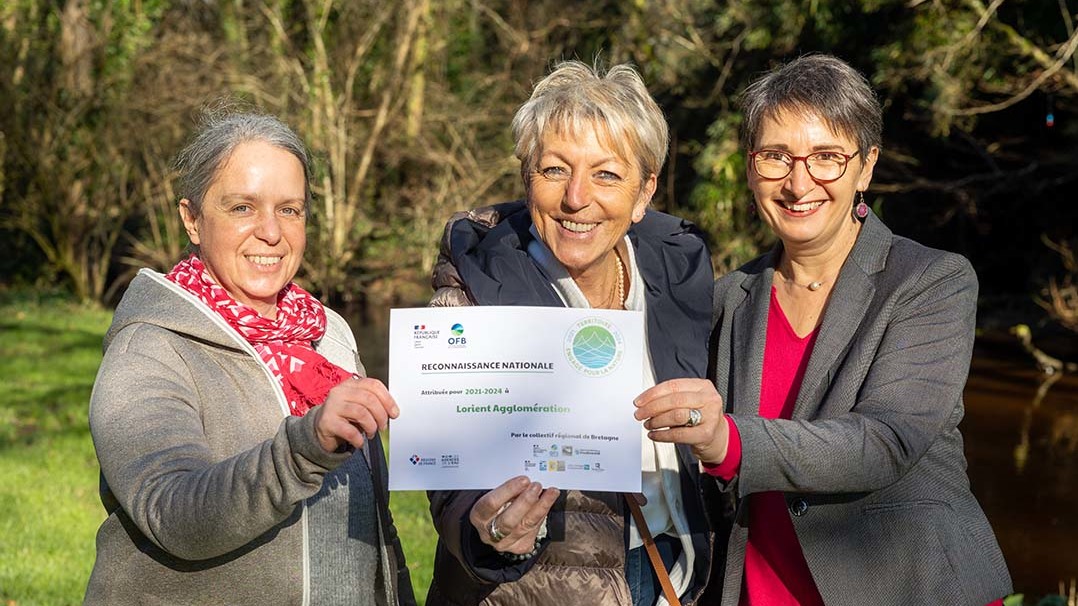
406 105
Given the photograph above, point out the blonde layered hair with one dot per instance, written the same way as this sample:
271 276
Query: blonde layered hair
576 97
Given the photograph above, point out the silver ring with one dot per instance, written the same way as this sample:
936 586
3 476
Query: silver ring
694 417
495 534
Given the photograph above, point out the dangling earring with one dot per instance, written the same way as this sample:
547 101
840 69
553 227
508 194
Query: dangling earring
860 210
752 209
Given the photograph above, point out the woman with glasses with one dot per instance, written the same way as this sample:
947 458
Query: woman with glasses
840 357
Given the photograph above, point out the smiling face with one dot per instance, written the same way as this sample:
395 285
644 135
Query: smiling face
805 213
583 197
251 230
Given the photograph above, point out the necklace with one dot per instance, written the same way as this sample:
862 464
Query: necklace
813 286
621 280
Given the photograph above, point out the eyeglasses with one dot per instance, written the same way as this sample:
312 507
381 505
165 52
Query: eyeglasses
822 166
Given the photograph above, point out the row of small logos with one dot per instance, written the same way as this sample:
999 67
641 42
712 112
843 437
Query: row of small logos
453 462
448 461
566 451
420 334
538 451
561 465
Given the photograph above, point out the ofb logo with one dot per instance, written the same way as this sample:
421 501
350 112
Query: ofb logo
594 347
458 339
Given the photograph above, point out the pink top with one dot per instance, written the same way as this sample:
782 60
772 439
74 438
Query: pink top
775 570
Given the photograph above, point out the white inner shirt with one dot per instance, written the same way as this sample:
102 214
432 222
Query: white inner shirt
660 482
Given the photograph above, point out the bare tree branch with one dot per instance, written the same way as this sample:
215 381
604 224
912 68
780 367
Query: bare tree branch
1066 52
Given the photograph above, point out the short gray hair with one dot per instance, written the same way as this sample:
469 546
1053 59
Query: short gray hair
220 133
818 84
576 96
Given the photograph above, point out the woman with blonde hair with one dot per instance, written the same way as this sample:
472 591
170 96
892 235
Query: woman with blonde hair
591 146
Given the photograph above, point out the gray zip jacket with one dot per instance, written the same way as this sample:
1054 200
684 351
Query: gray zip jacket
214 493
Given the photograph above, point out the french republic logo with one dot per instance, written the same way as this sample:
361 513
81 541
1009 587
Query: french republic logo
594 347
421 334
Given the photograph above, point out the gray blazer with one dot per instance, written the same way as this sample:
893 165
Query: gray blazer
871 462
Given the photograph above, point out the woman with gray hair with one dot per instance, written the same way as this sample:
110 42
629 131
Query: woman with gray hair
841 356
591 146
236 433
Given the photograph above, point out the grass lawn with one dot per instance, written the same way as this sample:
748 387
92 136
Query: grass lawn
49 355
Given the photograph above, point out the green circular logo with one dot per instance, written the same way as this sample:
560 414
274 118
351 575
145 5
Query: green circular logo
594 346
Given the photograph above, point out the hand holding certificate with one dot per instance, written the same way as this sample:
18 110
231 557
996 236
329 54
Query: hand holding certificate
489 393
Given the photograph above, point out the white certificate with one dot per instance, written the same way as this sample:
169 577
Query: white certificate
488 393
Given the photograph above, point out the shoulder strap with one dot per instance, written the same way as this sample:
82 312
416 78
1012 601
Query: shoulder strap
653 553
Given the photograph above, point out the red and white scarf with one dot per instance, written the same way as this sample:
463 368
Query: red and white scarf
284 344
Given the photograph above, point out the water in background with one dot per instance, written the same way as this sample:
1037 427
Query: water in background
1021 432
